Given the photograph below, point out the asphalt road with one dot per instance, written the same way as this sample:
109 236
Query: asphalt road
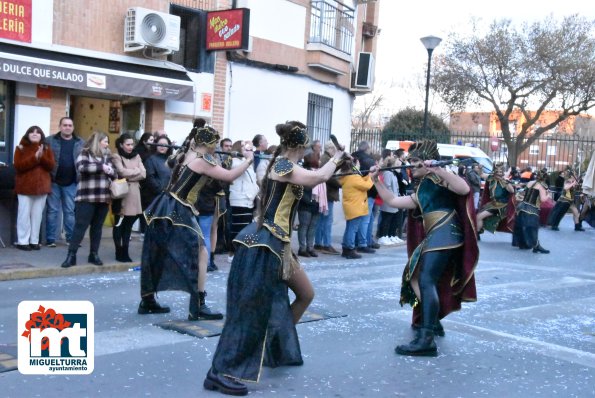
530 334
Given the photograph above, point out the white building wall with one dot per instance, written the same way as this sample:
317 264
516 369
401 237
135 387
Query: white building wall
280 21
42 21
258 99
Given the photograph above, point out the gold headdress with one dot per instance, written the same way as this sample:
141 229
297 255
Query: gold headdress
293 135
206 136
424 150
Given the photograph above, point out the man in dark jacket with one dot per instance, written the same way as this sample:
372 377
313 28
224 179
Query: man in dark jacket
323 237
66 147
366 161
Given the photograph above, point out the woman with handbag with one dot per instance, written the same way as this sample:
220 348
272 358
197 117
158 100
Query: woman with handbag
129 165
95 172
33 161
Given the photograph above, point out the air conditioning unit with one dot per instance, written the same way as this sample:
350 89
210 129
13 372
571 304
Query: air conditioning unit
145 28
364 77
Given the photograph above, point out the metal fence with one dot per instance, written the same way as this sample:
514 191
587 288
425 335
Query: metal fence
553 152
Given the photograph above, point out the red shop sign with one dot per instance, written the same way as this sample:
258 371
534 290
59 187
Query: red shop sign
15 20
228 29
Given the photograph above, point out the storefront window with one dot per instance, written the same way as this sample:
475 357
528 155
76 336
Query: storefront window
6 97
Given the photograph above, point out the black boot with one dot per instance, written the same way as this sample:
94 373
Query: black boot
579 226
212 267
350 254
119 254
223 384
125 256
148 305
438 329
423 345
70 259
198 308
539 249
94 258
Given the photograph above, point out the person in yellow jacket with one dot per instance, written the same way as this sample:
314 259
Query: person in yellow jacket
355 208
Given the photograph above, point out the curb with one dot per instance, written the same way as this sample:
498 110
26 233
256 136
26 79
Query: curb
32 273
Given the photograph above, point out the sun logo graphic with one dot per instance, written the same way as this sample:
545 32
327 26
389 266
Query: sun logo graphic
56 337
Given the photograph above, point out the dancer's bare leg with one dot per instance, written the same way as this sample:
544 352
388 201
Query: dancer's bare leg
301 286
480 217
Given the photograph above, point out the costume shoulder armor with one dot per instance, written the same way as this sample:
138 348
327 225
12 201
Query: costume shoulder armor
210 159
283 166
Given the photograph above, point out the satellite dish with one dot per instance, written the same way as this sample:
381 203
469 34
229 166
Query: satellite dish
153 29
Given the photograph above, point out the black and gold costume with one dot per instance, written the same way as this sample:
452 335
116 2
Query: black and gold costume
561 207
173 236
497 201
526 224
259 328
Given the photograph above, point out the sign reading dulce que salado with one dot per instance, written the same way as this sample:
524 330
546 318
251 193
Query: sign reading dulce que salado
228 29
15 20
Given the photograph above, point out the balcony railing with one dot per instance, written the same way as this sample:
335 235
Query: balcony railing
332 24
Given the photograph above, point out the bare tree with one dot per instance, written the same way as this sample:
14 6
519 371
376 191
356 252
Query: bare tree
548 65
368 104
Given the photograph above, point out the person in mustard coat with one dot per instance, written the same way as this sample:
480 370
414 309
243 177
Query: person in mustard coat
355 206
129 165
33 162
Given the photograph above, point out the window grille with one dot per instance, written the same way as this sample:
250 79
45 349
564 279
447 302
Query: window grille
320 117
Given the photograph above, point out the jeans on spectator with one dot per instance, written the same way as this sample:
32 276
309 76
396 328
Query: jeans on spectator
88 215
372 213
354 228
325 226
367 226
205 223
61 197
307 229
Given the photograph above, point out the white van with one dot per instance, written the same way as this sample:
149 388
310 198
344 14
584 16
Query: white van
449 151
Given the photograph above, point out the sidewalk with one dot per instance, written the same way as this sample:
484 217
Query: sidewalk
18 264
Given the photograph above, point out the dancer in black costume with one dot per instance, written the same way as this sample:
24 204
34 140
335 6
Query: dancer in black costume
174 256
565 202
260 322
526 225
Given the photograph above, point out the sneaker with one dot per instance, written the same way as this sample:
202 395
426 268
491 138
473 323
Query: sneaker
385 241
51 244
320 248
396 240
229 259
374 245
366 249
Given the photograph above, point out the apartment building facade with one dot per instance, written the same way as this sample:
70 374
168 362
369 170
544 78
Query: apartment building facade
143 66
73 58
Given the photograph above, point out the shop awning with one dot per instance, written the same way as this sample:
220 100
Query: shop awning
52 68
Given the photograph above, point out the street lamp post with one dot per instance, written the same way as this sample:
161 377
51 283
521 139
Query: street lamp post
430 43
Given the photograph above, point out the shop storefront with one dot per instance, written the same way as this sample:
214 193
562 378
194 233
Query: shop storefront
38 86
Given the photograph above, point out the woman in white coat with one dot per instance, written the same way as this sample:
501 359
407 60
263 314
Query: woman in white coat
242 193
